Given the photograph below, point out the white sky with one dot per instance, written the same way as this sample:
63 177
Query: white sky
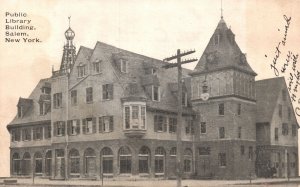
152 28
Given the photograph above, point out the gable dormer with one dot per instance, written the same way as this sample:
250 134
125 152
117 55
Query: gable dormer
24 105
121 61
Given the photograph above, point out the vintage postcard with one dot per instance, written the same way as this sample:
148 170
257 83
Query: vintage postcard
149 93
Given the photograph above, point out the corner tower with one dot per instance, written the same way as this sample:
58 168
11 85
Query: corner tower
69 53
227 118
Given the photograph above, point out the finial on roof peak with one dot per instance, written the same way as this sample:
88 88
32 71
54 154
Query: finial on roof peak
221 9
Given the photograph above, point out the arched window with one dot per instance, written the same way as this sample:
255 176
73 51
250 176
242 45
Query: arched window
26 163
144 160
159 161
187 162
90 162
74 163
107 160
125 160
16 164
48 161
38 159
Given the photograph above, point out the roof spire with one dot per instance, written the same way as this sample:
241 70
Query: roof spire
221 9
69 21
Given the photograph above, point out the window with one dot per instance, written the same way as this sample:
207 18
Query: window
203 127
239 109
221 109
89 125
250 154
125 160
289 113
16 164
160 123
74 163
239 132
73 127
26 134
106 124
172 125
294 130
204 151
155 93
89 95
173 151
134 116
81 70
16 135
107 160
144 160
123 65
20 111
96 65
26 164
159 161
222 159
184 99
107 91
242 150
221 132
47 130
276 134
74 97
285 129
37 133
44 107
283 95
59 128
46 90
187 162
189 129
57 100
280 110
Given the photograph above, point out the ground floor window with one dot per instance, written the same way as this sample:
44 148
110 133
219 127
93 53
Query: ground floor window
222 159
187 163
159 160
38 163
107 160
144 158
125 160
74 163
16 161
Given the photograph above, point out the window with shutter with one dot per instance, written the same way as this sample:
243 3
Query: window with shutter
94 125
78 126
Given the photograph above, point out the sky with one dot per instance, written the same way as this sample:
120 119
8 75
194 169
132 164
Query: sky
154 28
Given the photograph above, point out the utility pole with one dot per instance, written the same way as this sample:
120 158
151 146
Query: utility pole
179 100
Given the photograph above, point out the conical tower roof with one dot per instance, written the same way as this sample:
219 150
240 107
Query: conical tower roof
222 52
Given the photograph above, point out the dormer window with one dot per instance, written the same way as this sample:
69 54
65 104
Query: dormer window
217 39
97 66
155 93
81 70
123 65
20 111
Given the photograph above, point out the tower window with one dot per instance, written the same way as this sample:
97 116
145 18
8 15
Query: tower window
20 111
216 39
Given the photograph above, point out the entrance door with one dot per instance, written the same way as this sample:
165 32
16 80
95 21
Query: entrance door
60 167
204 169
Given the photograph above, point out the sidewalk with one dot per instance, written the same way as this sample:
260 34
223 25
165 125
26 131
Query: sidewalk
155 183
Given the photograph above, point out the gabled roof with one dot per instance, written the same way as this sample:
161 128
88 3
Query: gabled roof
222 52
267 93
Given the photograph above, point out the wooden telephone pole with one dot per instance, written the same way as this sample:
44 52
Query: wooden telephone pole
179 99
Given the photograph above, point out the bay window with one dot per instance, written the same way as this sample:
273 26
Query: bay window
134 116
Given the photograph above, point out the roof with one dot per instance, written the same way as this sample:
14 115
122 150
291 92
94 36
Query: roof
222 52
267 93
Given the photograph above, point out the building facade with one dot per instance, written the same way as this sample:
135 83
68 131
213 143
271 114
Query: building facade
108 112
